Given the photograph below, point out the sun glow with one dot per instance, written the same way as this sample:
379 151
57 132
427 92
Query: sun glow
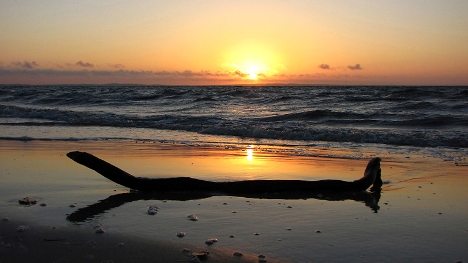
253 71
253 62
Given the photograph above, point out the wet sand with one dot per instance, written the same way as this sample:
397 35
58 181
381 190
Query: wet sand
421 217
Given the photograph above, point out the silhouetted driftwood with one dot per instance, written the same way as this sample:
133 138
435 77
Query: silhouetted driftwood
372 177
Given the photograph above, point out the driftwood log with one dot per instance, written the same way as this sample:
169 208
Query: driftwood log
372 177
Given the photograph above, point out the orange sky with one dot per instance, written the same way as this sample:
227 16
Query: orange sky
234 42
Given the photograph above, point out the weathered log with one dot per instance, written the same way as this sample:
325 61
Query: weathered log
372 177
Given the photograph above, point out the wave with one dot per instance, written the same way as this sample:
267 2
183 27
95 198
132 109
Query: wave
418 116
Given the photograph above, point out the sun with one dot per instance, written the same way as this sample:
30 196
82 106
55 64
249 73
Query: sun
253 72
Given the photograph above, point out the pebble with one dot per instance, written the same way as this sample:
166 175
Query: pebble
232 236
238 254
234 212
73 205
257 234
193 217
22 228
43 204
180 234
152 210
194 259
99 229
28 201
289 206
91 243
318 231
211 241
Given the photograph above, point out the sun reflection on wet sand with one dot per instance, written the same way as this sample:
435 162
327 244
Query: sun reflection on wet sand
250 151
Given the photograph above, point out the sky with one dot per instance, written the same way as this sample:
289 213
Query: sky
198 42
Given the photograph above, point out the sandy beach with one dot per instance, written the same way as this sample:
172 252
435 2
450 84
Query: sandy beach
420 215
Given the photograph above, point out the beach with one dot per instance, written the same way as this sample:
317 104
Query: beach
420 215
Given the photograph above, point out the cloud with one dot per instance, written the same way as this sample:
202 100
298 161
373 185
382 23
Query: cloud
84 64
25 64
355 67
119 66
324 66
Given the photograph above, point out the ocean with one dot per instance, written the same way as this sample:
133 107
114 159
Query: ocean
430 120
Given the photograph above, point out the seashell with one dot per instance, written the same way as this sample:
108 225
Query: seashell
194 259
193 217
200 255
22 228
28 201
152 210
211 241
238 254
99 229
180 234
257 234
91 243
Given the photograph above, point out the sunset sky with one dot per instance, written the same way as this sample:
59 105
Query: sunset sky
234 42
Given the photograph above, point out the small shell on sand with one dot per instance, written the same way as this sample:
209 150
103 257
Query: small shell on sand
22 228
194 259
28 201
192 217
99 229
211 241
152 210
257 234
180 234
238 254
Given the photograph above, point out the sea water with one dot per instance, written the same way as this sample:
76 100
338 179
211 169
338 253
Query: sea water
431 120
